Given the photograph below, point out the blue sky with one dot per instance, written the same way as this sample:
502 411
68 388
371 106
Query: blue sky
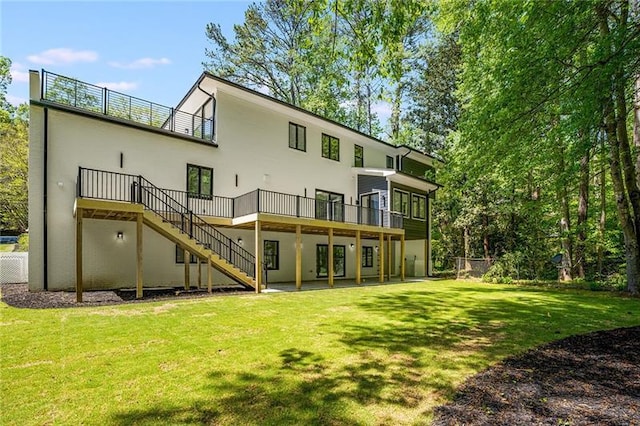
150 49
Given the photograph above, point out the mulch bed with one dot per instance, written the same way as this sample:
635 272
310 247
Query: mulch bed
591 379
18 295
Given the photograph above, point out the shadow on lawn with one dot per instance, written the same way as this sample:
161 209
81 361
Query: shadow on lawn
387 365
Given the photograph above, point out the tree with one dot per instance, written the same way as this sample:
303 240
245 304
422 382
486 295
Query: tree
539 79
286 48
14 143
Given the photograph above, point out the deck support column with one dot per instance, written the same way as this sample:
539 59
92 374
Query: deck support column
258 255
187 270
389 260
330 257
79 214
381 256
209 275
402 260
358 260
298 257
139 271
199 272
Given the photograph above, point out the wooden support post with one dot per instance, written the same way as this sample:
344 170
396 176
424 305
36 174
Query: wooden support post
381 256
258 255
209 275
402 260
298 257
139 272
79 214
199 272
358 258
330 257
187 270
389 260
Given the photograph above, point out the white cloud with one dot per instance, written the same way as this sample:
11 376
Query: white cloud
141 63
15 100
119 85
63 55
17 75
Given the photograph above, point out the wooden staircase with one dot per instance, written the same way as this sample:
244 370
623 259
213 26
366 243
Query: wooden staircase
175 235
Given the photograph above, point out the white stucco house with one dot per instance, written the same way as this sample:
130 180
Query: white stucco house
230 186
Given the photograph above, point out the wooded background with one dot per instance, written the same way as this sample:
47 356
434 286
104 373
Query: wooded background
533 106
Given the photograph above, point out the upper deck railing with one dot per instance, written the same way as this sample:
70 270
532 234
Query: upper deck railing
102 184
100 100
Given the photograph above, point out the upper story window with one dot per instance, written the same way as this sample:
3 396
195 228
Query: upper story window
297 137
199 181
330 147
401 202
419 206
358 156
389 162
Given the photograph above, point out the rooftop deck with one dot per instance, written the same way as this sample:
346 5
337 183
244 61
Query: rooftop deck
100 100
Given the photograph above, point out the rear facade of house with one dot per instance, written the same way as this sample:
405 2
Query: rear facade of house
231 186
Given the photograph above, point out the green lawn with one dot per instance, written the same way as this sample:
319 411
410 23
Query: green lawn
7 247
371 355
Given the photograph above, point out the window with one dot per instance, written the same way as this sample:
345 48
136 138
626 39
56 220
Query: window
401 202
199 181
329 206
180 256
419 206
272 255
330 147
367 257
322 260
389 162
297 137
358 156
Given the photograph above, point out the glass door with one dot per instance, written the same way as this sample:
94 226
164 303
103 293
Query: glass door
370 214
322 261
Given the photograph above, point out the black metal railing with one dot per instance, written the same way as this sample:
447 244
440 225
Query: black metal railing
262 201
78 94
112 186
204 205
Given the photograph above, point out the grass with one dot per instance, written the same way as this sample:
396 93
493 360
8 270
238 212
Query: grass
371 355
7 247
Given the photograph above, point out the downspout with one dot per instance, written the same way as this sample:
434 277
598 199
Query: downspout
400 158
213 117
44 209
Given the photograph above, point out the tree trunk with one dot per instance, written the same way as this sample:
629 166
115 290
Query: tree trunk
603 207
564 273
485 237
395 114
616 132
636 125
467 244
581 224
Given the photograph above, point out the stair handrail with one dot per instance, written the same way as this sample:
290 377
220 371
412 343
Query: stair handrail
197 228
127 187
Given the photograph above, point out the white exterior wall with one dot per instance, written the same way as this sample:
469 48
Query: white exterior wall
253 143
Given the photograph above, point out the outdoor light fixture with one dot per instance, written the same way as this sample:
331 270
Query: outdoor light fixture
239 240
352 245
120 235
376 248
